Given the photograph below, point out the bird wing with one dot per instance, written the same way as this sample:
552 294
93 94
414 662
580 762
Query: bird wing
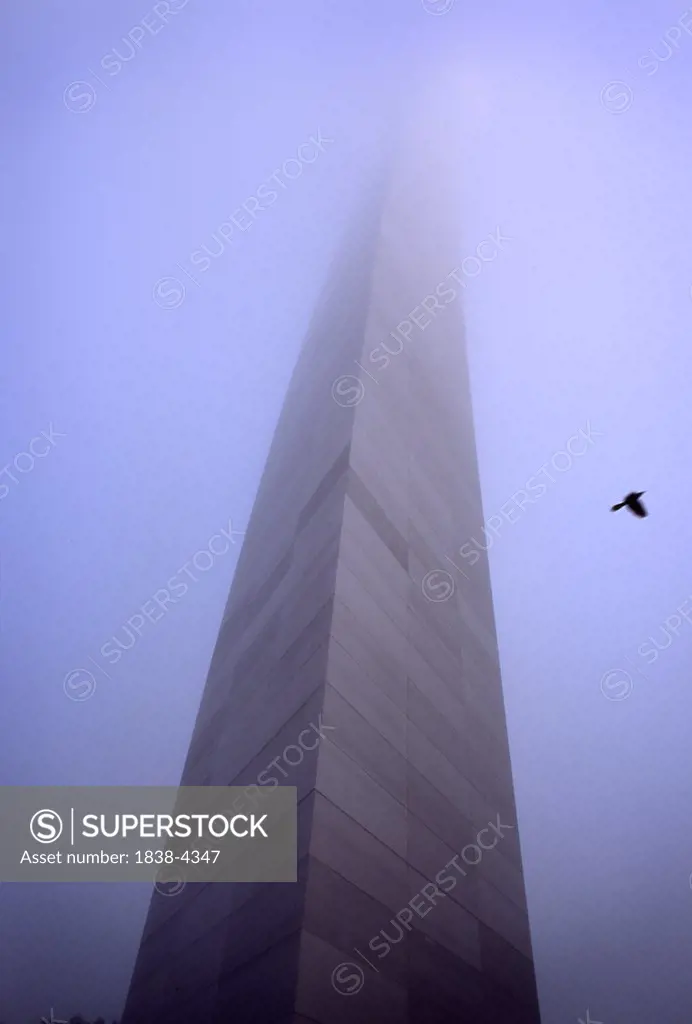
638 508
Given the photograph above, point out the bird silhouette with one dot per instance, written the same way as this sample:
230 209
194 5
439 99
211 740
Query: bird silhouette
633 503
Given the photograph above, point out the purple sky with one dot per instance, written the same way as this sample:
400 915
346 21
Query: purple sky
167 414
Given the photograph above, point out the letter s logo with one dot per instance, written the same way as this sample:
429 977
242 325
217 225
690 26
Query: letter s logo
46 826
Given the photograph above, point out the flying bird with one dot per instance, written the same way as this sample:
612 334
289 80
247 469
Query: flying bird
633 504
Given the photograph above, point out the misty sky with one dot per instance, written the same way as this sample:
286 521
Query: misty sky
576 126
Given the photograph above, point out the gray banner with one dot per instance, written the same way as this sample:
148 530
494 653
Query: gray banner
171 835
